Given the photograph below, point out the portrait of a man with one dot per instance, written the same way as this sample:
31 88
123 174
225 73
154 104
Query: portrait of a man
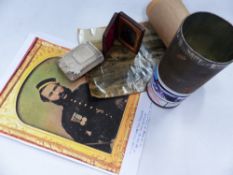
88 120
40 106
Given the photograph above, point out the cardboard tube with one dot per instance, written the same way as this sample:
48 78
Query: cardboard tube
166 16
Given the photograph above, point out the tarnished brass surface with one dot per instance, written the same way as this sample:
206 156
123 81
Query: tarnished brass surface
123 72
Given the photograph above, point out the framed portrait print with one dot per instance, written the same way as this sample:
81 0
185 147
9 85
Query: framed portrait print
40 106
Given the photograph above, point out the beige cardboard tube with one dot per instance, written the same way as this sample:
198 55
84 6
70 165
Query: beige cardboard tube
166 16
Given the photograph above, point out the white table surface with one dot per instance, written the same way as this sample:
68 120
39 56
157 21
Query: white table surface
195 138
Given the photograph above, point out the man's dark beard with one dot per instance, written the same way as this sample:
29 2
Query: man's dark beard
64 97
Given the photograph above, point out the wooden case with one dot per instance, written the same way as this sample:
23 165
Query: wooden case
124 29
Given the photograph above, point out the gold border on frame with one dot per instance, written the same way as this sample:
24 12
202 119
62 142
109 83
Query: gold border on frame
11 125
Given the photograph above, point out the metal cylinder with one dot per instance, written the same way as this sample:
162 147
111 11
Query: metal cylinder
202 46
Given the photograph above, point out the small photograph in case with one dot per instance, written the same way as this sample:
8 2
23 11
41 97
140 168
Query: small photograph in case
80 60
124 29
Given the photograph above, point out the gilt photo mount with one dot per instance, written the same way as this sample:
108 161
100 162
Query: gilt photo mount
45 131
124 29
80 60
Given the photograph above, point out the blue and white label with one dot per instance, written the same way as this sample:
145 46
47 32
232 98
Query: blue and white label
160 94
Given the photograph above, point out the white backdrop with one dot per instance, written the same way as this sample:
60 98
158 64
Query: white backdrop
194 138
